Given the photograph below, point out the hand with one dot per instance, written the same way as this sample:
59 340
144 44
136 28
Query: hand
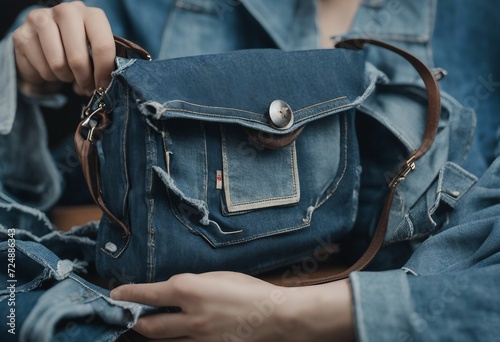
52 47
227 306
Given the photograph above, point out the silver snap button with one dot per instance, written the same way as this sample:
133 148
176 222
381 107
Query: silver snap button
110 247
280 114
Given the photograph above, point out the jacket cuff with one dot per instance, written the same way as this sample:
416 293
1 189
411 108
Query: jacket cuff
8 90
382 305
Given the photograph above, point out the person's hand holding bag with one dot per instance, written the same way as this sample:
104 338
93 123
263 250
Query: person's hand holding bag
52 47
229 306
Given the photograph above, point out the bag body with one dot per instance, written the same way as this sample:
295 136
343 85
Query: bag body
244 161
198 192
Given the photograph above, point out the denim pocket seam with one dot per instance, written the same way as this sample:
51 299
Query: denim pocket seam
205 172
167 108
232 242
124 153
216 244
323 112
344 170
151 155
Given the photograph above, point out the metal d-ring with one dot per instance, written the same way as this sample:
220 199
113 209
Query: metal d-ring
97 96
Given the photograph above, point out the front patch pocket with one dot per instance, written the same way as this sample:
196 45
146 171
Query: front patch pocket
255 177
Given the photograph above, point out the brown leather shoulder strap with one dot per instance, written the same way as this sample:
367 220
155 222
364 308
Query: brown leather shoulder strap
433 113
433 93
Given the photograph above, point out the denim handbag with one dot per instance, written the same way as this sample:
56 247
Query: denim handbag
245 161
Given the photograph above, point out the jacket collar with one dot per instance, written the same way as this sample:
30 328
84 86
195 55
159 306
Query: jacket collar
295 28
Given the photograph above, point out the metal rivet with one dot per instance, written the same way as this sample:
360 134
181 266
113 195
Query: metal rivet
110 247
280 114
440 73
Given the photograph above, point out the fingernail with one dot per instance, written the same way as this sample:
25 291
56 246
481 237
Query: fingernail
115 294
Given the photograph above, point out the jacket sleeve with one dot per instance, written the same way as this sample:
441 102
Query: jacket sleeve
449 289
28 174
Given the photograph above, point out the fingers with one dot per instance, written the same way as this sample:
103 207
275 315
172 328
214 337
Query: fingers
102 43
211 304
78 32
30 59
159 294
70 20
49 40
52 45
164 326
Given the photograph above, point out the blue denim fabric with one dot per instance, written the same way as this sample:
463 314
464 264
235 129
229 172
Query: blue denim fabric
22 131
375 19
268 195
448 290
194 27
409 25
34 226
473 72
405 23
198 27
62 305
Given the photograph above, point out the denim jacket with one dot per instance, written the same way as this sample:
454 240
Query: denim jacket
440 208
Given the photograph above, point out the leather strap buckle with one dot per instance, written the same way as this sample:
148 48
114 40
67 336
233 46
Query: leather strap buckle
405 170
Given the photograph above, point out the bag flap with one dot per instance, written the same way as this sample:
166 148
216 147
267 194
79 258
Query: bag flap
239 87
